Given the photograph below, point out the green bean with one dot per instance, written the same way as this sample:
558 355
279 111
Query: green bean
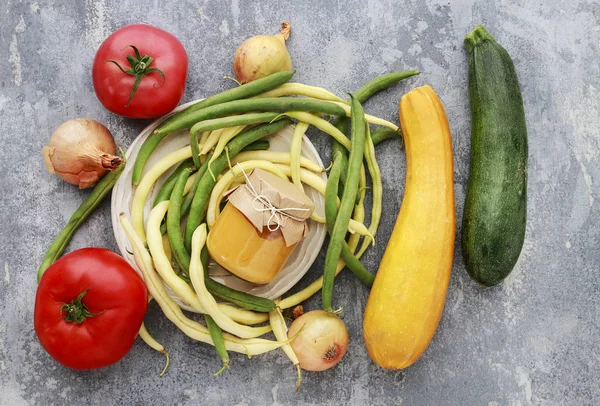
347 203
317 285
183 259
245 300
247 90
226 122
381 83
383 134
164 193
81 214
242 92
362 95
242 299
190 196
268 104
336 148
331 212
260 145
217 337
181 256
202 194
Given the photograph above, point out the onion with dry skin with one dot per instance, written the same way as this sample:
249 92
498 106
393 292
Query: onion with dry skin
81 151
262 55
322 340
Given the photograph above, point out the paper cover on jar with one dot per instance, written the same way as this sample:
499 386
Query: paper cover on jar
269 201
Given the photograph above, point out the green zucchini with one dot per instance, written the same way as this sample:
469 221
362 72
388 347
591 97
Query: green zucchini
493 227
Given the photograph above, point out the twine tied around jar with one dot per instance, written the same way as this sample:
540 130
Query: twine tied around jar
276 213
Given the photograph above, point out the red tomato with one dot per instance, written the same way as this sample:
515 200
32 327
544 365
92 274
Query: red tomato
161 82
114 299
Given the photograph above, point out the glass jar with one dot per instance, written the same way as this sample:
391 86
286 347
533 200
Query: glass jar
253 255
259 227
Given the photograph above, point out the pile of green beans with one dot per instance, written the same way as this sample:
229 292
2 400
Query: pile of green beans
253 105
374 86
340 226
331 213
248 90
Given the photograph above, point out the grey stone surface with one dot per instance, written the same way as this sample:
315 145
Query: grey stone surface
532 340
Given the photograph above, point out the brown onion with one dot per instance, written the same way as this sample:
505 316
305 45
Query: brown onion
321 341
262 55
81 151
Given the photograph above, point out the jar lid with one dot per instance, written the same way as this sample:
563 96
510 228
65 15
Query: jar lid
269 201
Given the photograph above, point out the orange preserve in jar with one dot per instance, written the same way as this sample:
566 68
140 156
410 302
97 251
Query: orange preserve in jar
259 227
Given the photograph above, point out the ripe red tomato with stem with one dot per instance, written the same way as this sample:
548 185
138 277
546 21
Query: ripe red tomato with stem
139 71
89 307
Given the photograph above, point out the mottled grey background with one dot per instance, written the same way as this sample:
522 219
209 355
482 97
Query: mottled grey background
532 340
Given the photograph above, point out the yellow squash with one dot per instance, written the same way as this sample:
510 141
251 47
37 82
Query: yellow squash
407 298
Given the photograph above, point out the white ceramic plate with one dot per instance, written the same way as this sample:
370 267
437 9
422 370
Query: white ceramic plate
297 265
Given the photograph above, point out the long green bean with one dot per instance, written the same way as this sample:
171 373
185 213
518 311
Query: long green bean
347 203
164 193
260 145
381 83
83 211
244 91
190 196
383 134
217 337
247 90
362 95
202 194
331 212
173 224
268 104
336 148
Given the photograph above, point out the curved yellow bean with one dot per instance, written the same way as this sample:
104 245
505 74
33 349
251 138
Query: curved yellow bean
223 184
227 135
211 141
152 343
143 189
370 119
277 158
208 302
321 124
299 89
296 153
